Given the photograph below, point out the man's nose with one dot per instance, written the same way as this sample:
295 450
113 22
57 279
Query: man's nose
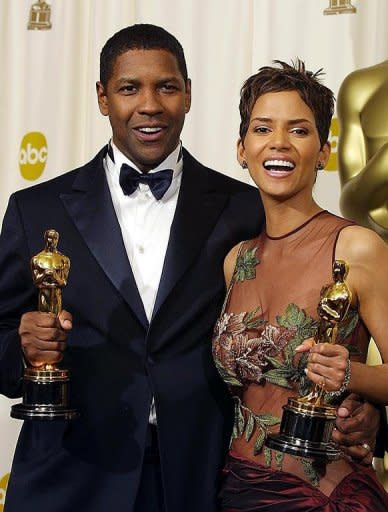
149 103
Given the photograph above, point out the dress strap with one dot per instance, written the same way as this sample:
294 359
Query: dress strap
346 224
232 281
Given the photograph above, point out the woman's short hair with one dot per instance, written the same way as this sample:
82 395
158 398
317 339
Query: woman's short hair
286 77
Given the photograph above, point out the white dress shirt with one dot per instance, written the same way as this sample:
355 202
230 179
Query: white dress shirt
145 225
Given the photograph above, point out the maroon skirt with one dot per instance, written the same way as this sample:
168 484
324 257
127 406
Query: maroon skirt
250 487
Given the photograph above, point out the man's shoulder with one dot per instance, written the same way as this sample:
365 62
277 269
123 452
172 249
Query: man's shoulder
217 179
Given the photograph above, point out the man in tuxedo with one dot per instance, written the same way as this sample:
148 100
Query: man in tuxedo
146 228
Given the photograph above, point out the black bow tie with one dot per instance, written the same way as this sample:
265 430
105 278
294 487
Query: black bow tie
158 182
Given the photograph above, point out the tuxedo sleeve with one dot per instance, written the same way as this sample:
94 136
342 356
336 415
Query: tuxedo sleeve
16 297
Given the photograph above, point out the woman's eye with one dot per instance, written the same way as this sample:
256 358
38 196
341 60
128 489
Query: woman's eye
299 131
261 129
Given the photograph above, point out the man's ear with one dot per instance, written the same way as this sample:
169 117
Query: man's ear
241 152
188 95
102 99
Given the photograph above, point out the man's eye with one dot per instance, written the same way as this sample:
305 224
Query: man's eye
168 87
128 89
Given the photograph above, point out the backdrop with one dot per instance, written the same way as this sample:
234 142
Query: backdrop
49 54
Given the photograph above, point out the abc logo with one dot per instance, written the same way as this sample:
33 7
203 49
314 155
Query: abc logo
3 487
32 155
332 164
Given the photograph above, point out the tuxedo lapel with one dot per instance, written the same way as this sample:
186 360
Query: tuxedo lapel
90 206
197 211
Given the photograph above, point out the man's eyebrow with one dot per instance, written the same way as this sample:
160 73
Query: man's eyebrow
134 79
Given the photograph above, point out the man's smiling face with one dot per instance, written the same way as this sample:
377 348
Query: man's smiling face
146 99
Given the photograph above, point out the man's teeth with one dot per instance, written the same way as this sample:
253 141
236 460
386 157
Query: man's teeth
284 164
150 130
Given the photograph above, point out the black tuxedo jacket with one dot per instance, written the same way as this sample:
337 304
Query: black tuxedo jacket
118 360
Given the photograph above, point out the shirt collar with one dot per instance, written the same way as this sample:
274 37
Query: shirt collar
114 159
173 160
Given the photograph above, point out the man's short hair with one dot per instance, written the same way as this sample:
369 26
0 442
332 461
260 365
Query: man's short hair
139 37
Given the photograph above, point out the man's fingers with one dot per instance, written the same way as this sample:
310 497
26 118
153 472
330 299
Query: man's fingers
40 358
349 406
65 320
47 346
359 454
43 336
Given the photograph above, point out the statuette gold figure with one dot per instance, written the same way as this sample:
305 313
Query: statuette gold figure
50 270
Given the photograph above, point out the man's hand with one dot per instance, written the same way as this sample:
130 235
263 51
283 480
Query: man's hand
356 428
43 336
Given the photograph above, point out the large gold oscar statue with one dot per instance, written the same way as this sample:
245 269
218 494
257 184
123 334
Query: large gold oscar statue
362 107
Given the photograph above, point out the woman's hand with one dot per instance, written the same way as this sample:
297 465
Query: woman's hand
326 363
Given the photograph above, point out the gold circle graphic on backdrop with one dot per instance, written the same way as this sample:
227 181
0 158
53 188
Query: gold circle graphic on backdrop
3 487
32 155
332 164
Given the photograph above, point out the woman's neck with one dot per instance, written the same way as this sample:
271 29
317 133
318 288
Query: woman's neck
284 216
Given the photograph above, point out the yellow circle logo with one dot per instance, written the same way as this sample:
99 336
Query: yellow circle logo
332 164
32 155
3 487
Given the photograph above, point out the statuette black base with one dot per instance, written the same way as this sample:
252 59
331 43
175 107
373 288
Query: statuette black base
45 396
305 431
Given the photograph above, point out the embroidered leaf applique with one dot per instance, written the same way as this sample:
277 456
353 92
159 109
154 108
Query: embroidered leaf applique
279 457
251 321
245 265
280 373
303 326
263 421
249 427
245 421
285 371
259 441
301 377
267 456
227 376
310 472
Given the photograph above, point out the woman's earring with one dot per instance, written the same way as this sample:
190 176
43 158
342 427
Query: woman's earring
244 164
320 166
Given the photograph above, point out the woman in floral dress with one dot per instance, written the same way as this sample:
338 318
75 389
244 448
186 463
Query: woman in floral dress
263 340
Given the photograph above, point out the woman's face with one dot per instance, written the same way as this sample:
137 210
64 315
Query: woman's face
282 146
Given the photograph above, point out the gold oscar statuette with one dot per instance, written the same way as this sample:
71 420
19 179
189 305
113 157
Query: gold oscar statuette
46 388
308 421
40 14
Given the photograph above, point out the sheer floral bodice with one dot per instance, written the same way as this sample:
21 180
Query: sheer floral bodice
270 309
